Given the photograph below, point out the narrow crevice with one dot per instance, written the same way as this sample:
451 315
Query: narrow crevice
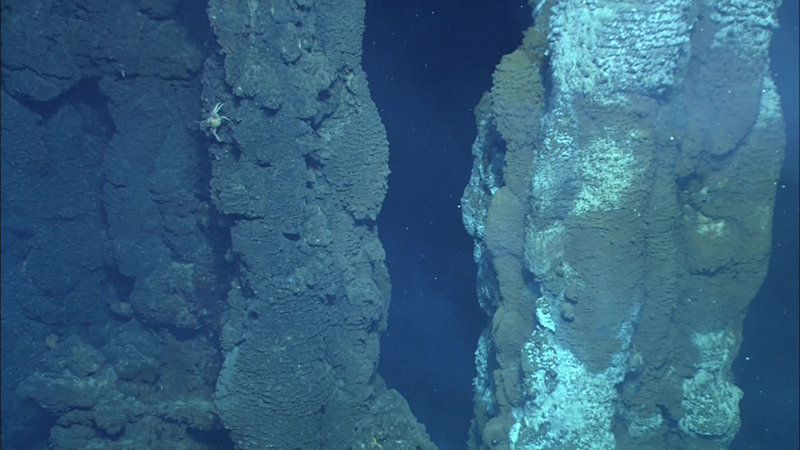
428 65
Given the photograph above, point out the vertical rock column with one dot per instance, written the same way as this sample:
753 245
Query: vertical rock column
621 202
300 165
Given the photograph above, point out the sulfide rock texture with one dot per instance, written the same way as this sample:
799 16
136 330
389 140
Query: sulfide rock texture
621 203
300 168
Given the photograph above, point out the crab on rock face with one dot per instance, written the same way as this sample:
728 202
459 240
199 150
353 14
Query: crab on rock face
214 120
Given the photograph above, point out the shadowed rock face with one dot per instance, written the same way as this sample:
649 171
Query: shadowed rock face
621 203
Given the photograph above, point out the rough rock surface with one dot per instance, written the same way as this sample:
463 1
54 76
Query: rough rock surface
111 257
301 170
621 203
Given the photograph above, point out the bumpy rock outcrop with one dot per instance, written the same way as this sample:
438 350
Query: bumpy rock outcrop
621 203
301 169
